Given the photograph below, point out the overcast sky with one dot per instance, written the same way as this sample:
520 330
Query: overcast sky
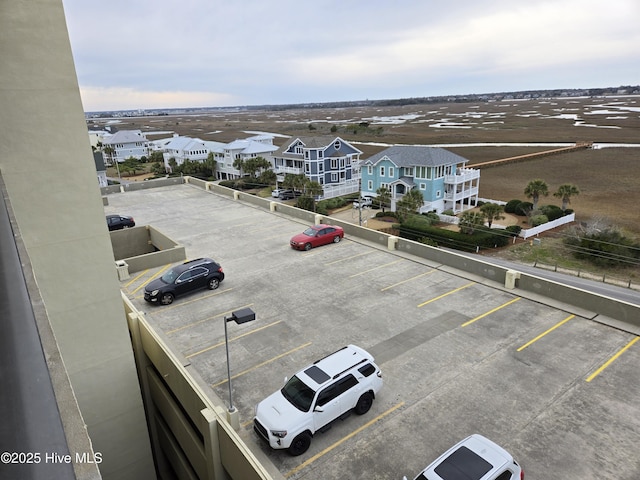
132 54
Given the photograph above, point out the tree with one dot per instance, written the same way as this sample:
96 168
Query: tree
410 203
109 151
469 221
252 165
172 164
238 164
491 212
311 191
211 164
565 192
384 196
534 189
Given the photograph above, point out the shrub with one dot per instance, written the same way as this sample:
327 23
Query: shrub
387 214
523 208
538 220
568 211
482 237
552 212
605 248
511 205
514 230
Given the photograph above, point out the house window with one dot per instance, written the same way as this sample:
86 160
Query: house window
370 169
334 177
391 172
337 145
408 171
370 185
320 167
334 164
421 172
320 153
382 171
438 193
423 186
306 154
384 185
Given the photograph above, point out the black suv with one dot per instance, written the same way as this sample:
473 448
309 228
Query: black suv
118 222
190 276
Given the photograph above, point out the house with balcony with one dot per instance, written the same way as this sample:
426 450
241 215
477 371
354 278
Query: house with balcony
181 149
242 149
443 178
124 144
330 161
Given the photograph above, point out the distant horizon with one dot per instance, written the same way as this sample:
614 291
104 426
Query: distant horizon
608 91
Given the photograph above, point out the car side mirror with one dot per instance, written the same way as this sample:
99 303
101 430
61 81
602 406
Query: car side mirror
318 409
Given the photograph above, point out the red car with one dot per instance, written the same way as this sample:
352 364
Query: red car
316 236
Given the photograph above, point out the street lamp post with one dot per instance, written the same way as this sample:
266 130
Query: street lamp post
243 315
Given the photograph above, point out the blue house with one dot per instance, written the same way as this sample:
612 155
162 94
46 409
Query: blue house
330 161
440 175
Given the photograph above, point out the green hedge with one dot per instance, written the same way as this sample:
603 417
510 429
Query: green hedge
482 237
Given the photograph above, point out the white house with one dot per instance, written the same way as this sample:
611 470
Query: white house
184 148
242 149
124 144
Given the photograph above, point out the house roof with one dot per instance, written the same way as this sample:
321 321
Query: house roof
250 147
319 143
184 143
125 136
412 155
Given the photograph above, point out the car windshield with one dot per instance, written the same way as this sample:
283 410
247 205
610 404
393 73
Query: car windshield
169 277
310 232
298 394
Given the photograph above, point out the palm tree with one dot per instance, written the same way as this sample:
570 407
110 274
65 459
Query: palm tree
534 189
469 221
410 203
384 196
492 211
565 192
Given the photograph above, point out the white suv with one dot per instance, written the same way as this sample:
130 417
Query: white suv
474 458
344 381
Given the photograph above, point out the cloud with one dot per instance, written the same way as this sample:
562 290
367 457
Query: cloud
287 51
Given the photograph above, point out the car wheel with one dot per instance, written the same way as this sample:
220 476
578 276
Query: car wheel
336 239
307 246
213 283
300 444
364 403
166 298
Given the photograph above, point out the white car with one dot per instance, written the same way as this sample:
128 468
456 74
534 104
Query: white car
474 458
332 387
363 202
279 191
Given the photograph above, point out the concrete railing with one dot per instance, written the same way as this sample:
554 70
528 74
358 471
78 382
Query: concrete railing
190 432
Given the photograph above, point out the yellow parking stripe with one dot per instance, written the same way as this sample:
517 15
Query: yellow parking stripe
158 274
374 268
219 344
612 359
341 441
206 319
222 382
197 299
408 280
134 279
490 311
544 333
349 258
446 294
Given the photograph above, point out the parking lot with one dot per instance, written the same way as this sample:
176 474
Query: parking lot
458 355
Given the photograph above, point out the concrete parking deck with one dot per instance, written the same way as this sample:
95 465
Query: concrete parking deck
459 355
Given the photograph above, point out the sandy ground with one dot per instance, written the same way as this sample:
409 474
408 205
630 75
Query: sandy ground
352 215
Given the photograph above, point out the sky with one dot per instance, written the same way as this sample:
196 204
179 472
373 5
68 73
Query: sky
146 54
